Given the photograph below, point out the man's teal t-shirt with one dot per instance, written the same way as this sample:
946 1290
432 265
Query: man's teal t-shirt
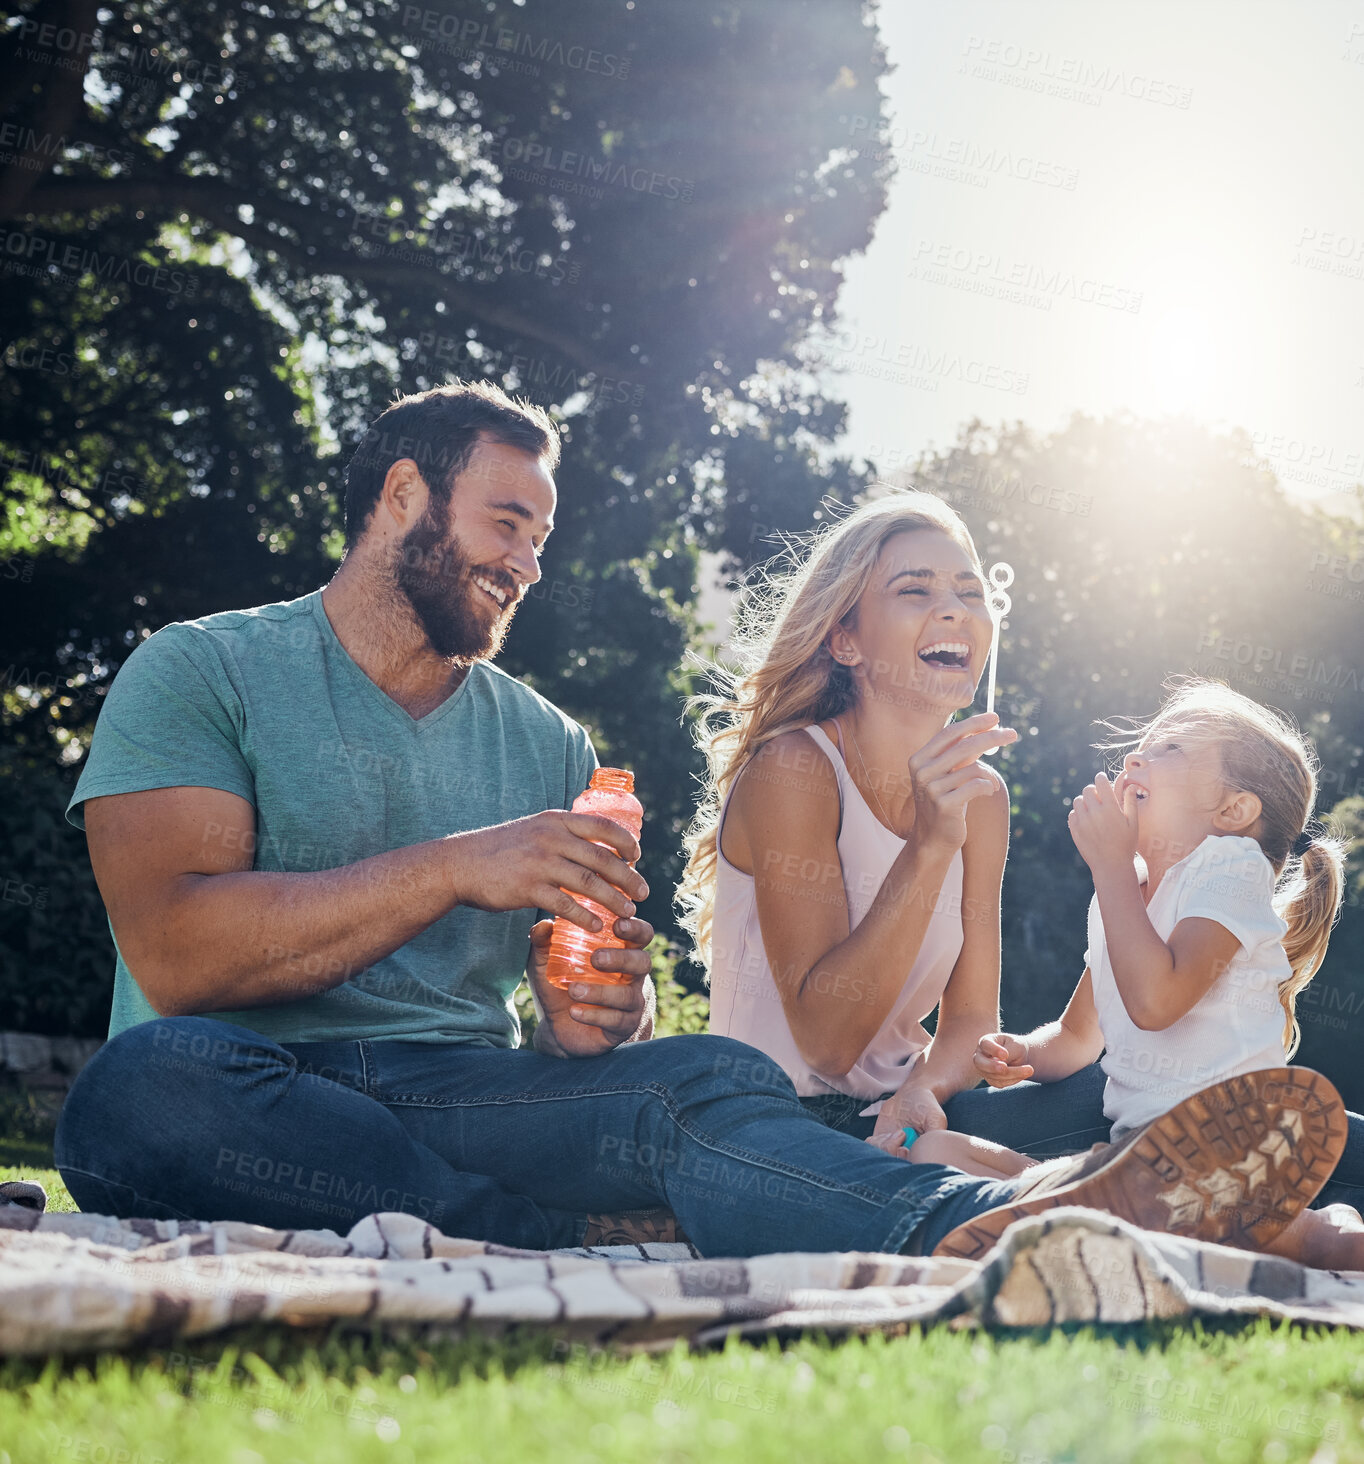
267 704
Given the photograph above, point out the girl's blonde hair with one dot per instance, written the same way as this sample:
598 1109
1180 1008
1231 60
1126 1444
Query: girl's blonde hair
786 677
1262 752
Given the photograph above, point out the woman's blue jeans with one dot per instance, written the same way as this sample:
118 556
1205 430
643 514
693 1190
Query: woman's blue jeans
1046 1119
192 1118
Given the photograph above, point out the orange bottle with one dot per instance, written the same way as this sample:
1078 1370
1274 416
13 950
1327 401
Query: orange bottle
611 795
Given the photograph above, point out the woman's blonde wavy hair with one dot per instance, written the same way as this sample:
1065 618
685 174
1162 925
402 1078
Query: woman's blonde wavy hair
1262 752
785 676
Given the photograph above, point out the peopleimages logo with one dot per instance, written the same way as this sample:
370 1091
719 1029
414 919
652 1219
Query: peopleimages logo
1261 661
472 37
59 472
912 364
31 357
1071 78
962 159
66 47
388 236
546 160
1020 281
1305 463
26 253
34 150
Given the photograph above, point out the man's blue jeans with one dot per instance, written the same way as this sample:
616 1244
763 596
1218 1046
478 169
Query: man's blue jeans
192 1118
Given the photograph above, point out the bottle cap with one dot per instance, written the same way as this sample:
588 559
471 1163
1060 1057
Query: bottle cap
621 779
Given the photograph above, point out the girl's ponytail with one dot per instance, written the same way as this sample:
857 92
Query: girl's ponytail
1310 903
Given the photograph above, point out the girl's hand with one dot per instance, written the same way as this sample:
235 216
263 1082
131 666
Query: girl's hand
1105 830
946 777
1002 1060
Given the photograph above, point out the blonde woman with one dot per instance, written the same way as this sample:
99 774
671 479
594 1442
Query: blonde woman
845 866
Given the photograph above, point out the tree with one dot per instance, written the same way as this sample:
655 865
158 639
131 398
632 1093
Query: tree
230 233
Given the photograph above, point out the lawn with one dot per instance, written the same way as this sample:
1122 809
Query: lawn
1162 1394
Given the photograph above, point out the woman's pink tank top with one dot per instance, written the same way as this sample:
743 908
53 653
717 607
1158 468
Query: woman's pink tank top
743 996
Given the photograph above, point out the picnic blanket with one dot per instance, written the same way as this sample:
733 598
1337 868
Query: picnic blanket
73 1283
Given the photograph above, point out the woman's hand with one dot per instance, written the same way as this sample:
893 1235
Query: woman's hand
593 1017
1002 1060
946 777
893 1142
1105 830
913 1106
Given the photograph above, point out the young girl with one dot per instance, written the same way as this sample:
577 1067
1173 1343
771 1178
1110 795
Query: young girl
1193 971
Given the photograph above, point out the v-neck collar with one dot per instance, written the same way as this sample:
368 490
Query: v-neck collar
372 689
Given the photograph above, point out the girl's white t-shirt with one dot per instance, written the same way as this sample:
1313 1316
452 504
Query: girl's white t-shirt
1238 1024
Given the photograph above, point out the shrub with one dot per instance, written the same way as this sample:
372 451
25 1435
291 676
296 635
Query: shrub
56 954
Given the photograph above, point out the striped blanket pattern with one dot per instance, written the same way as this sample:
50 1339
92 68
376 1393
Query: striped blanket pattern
76 1283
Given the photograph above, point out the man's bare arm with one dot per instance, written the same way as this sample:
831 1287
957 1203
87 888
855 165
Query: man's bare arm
201 931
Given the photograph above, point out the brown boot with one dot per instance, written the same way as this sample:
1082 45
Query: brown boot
1233 1164
633 1227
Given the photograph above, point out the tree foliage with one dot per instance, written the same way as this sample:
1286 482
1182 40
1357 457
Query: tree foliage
230 233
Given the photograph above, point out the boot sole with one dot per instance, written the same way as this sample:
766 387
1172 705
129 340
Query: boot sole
634 1227
1234 1164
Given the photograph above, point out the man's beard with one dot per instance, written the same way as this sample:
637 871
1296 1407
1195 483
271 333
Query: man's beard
435 577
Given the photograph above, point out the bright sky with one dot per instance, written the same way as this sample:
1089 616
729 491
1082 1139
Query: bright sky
1172 192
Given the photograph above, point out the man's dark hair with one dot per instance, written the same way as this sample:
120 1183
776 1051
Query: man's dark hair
438 430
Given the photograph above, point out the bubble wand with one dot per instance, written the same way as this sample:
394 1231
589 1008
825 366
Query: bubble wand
1001 577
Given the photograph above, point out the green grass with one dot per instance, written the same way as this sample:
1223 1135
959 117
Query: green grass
1168 1394
1255 1394
25 1133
